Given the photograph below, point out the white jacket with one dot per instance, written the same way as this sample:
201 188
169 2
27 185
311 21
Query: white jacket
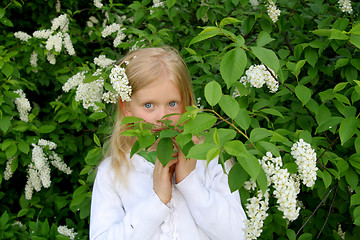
201 207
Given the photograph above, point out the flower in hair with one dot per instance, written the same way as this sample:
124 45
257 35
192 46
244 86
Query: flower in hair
120 83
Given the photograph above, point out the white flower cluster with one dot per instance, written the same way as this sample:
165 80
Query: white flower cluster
273 11
22 105
103 62
341 233
257 76
256 211
89 93
98 3
305 158
23 36
8 172
254 3
74 81
156 4
39 168
345 6
286 186
115 27
92 20
56 37
120 83
68 232
34 59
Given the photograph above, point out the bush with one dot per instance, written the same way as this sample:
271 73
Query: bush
277 87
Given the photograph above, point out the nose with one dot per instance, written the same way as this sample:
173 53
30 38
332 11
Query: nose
163 111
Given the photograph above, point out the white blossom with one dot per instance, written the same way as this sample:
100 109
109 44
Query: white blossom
256 211
22 105
23 36
58 6
110 29
254 3
8 172
39 168
345 6
68 44
273 11
54 41
258 75
34 59
120 83
305 158
61 22
43 34
74 81
98 4
68 232
110 97
341 233
51 58
89 93
103 62
119 37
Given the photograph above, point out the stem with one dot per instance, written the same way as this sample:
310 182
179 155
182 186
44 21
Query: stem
328 148
332 204
318 206
231 124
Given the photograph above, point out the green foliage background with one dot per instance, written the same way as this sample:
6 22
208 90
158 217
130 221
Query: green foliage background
313 48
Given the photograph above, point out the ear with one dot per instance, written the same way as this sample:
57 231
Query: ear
125 107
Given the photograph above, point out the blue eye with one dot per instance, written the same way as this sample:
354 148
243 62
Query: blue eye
172 104
148 105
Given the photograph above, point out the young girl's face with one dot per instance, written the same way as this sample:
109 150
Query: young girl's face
153 102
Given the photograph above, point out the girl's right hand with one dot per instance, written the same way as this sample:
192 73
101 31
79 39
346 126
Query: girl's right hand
162 179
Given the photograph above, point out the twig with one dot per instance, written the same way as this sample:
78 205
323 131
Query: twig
332 204
315 210
328 148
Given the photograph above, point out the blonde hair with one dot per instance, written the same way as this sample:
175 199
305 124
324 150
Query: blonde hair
144 66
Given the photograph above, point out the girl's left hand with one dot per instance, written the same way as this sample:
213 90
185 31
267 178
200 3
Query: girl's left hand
184 166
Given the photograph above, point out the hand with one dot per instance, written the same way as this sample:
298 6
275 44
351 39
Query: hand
162 179
184 166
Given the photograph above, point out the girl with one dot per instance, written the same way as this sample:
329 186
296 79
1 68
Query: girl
135 199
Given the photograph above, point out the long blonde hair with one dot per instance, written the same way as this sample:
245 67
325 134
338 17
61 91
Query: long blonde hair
145 66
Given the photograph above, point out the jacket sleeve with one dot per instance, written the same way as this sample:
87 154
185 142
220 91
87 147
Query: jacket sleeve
109 220
216 210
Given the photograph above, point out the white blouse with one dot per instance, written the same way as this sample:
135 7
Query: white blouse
201 207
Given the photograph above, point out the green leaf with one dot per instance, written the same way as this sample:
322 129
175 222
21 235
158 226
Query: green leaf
237 177
170 3
212 93
201 123
347 129
227 21
164 150
232 65
352 178
328 123
311 56
298 66
235 147
46 128
96 140
131 119
340 86
291 234
355 199
303 94
7 69
341 62
272 111
207 33
250 164
5 123
263 39
23 146
229 105
243 119
97 115
94 156
267 57
212 154
2 12
199 151
355 40
305 236
258 134
338 35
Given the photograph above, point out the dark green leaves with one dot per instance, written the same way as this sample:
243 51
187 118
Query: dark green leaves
164 150
232 65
